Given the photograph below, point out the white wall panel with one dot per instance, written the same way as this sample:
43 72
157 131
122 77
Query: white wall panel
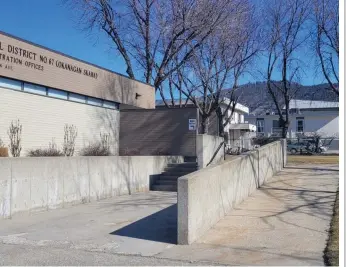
43 118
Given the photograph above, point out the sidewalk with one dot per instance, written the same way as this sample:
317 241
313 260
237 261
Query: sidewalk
283 223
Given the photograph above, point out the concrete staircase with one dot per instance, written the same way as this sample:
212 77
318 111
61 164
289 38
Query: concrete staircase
167 180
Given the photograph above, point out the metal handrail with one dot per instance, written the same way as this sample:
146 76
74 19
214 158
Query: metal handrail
215 153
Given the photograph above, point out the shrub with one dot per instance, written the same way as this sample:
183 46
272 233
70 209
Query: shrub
262 141
15 135
3 149
70 134
95 149
3 152
101 148
51 151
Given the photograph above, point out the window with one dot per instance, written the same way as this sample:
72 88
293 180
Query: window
275 124
300 124
35 89
260 125
12 84
109 104
77 98
57 93
94 101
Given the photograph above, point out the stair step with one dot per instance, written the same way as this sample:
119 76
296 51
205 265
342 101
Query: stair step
176 173
172 188
169 177
190 159
169 182
183 165
180 170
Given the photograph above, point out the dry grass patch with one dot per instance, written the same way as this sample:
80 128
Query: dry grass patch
314 159
331 252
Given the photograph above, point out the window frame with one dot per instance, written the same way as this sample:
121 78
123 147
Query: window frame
30 88
97 100
302 120
18 87
49 90
76 96
107 104
36 89
258 126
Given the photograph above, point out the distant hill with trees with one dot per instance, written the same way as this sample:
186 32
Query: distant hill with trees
257 98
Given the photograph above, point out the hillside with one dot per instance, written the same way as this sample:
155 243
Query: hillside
256 97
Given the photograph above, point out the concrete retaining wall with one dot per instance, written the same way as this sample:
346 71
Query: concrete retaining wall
206 146
206 196
28 184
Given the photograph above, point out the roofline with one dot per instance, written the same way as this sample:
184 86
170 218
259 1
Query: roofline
156 109
238 106
298 99
71 57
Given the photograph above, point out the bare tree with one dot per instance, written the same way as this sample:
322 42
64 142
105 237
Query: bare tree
285 30
216 64
326 35
176 84
105 142
150 34
15 136
70 134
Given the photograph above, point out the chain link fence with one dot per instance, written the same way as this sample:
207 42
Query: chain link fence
325 145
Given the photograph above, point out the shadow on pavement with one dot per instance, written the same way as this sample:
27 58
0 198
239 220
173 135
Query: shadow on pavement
160 227
311 168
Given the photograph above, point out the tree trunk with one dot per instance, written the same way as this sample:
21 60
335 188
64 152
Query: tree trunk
284 125
204 124
284 131
220 122
317 140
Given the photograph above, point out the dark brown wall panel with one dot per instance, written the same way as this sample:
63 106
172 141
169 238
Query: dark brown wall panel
157 132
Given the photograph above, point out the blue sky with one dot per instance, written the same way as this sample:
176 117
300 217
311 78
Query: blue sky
51 24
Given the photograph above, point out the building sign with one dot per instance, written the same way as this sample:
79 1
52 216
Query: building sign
11 55
192 124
